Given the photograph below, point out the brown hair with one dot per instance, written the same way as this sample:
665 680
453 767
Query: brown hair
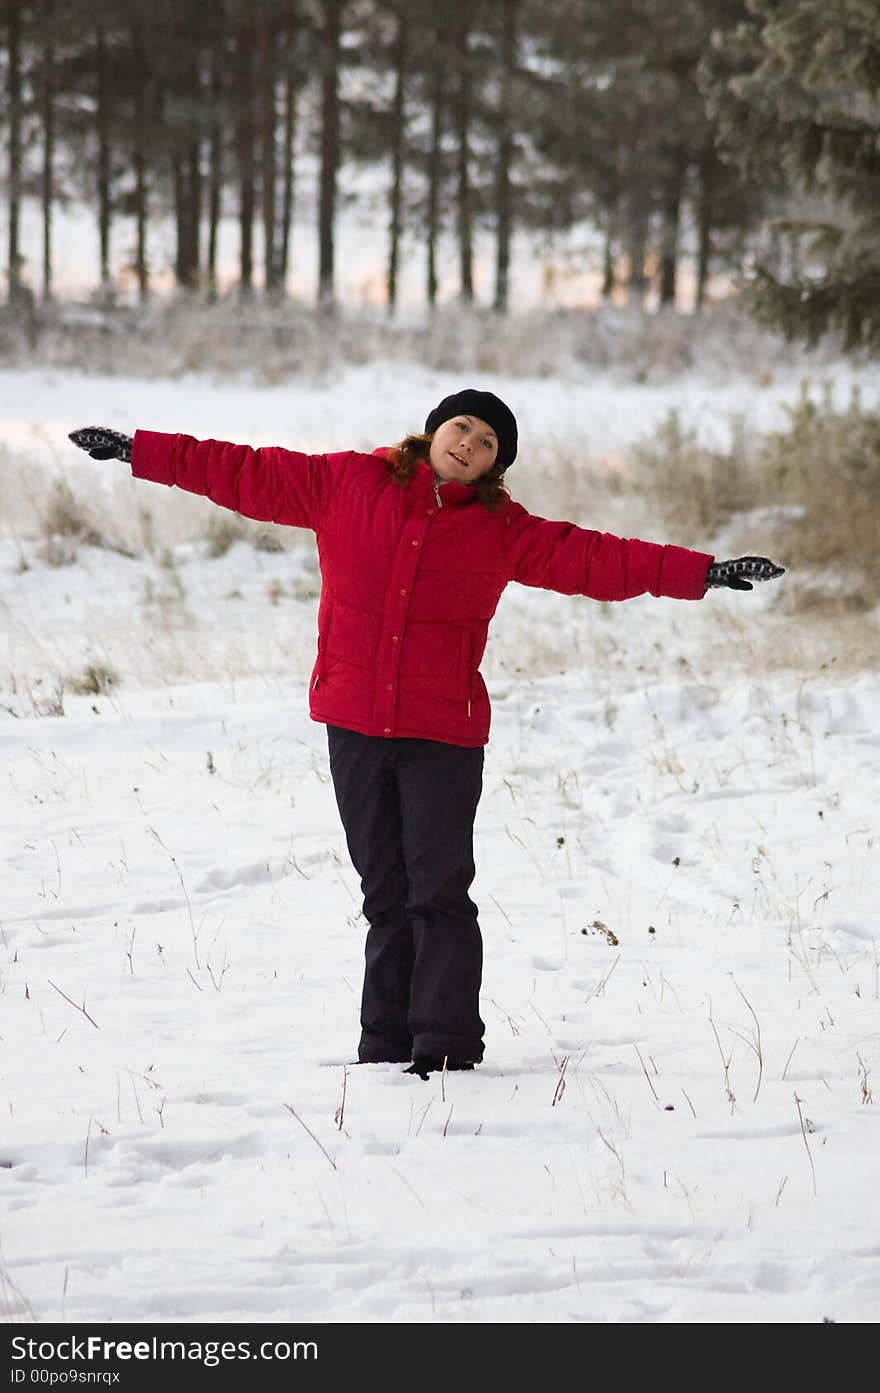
406 456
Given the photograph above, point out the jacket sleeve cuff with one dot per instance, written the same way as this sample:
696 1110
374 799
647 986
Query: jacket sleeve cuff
152 455
683 575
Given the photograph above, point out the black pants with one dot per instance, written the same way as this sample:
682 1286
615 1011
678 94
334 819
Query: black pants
408 810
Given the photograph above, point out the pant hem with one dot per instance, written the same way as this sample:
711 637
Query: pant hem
374 1052
448 1046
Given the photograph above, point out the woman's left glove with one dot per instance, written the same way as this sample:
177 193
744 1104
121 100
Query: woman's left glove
102 443
739 574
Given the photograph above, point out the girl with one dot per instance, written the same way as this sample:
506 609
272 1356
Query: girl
416 545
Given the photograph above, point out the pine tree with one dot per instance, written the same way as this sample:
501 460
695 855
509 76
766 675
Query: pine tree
805 102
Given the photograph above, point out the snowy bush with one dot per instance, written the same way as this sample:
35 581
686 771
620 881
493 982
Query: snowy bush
827 465
808 493
224 529
273 342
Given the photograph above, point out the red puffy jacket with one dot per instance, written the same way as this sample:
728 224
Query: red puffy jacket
411 574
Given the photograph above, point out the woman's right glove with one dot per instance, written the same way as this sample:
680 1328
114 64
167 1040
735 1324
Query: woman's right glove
102 443
739 574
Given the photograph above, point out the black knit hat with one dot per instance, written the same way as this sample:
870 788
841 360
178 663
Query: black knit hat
486 407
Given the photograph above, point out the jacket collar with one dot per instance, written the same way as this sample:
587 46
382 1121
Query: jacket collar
452 494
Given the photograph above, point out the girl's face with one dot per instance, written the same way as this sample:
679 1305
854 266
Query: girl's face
463 448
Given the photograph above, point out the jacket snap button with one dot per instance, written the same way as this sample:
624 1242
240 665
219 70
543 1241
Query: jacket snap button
394 638
387 730
389 686
403 592
415 543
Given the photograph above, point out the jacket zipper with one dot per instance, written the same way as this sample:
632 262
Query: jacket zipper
440 505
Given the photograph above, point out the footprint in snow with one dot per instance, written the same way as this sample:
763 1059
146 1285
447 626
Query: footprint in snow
79 912
155 906
220 878
150 1160
256 873
216 1100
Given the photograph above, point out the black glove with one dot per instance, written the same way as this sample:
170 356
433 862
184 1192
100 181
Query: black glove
739 574
102 443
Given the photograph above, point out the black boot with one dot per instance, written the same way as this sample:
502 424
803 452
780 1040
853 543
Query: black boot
425 1064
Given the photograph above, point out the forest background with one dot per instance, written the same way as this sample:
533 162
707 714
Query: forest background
714 138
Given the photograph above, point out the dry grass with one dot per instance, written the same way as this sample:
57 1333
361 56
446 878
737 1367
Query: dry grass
67 525
272 341
95 679
809 495
67 514
828 465
697 488
224 528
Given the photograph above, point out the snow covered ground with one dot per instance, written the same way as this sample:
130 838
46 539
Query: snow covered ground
678 878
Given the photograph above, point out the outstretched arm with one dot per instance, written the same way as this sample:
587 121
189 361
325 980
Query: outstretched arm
576 561
270 484
560 556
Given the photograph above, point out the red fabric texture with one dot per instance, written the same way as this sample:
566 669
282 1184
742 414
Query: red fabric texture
410 585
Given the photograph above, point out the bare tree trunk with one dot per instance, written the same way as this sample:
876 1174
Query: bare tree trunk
182 213
180 240
330 43
194 211
290 96
139 160
462 122
215 160
245 130
669 235
188 170
608 277
397 145
267 44
14 53
48 173
435 178
636 243
503 188
103 123
704 227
